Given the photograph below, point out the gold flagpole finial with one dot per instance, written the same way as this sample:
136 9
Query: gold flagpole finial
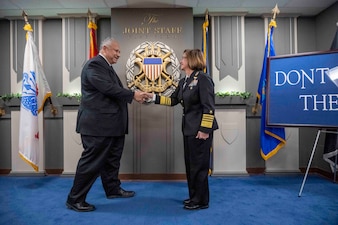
27 26
24 15
275 11
206 15
90 15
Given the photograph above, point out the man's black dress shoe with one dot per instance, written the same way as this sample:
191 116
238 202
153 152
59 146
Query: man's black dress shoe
186 201
122 194
193 206
80 206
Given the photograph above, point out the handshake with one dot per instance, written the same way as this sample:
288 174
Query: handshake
142 97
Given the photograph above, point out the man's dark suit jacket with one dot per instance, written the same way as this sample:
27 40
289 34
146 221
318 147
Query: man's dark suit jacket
103 110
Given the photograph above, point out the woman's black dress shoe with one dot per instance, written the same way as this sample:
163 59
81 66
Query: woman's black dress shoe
186 201
193 206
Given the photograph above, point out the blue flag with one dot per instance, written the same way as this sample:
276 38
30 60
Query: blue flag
272 138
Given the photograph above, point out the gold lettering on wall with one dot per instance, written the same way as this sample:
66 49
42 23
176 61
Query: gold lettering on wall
167 30
146 28
150 18
137 30
155 30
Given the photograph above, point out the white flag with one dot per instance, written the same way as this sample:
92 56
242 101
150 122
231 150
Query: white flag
35 91
333 75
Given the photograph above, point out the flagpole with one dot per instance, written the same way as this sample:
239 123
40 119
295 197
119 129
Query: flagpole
274 12
53 109
93 51
204 44
24 15
89 13
272 23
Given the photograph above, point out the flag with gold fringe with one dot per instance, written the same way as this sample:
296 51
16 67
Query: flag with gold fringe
92 38
272 138
205 35
35 91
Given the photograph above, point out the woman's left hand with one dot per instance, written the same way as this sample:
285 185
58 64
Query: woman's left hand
202 135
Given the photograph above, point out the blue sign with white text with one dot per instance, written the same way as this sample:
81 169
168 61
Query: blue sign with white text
303 90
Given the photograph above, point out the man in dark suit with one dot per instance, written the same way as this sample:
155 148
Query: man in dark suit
102 122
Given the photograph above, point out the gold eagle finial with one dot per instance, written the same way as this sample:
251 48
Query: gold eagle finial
275 11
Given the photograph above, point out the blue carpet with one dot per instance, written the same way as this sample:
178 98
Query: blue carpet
248 200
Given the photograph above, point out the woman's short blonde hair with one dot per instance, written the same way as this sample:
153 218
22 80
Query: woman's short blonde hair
195 59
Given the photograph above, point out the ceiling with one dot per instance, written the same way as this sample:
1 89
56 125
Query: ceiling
55 8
